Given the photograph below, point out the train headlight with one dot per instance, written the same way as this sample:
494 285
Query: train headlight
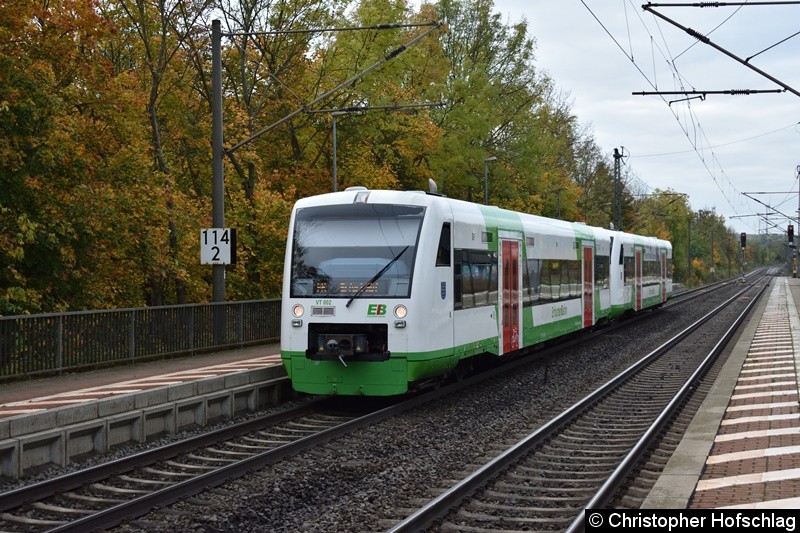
400 311
298 310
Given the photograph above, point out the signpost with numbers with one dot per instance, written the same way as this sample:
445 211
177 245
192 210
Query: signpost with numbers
217 246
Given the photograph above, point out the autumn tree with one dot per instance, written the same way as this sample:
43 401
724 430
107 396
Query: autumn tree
161 29
386 144
69 146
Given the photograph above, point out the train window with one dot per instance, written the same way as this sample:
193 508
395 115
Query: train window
574 278
629 271
543 280
652 272
462 281
531 282
546 287
556 276
443 253
458 280
325 262
561 283
559 279
601 271
475 278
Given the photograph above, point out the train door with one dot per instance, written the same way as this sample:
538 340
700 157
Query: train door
638 261
510 274
588 286
663 276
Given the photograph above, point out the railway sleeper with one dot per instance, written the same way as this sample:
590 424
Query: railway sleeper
520 509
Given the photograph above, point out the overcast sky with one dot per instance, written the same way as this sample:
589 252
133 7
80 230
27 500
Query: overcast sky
714 149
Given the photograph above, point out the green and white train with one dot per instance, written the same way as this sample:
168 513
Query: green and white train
384 290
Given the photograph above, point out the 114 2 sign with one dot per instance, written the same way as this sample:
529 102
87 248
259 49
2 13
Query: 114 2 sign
217 246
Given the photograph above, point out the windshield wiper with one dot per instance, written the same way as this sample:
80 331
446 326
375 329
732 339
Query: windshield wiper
380 273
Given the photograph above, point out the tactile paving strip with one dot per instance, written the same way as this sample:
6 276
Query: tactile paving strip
137 385
755 460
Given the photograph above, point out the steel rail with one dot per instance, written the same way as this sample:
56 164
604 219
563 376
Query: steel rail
617 477
437 508
134 508
45 489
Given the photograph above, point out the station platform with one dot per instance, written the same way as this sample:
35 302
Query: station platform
742 450
35 395
60 419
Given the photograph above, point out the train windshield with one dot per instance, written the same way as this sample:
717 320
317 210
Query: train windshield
355 250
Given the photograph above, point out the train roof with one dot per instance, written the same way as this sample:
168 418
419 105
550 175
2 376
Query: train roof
363 194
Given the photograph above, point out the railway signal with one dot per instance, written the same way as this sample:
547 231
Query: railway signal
743 238
790 233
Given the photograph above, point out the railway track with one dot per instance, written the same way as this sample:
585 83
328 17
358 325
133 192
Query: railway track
104 496
583 457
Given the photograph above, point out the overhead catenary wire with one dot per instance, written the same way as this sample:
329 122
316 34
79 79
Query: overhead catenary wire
662 154
433 26
685 115
691 117
706 40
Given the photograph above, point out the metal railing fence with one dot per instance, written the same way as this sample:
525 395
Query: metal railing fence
55 342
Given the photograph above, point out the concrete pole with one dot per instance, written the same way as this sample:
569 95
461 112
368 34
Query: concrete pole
617 211
218 179
689 251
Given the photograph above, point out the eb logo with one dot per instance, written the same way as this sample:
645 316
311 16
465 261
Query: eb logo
376 310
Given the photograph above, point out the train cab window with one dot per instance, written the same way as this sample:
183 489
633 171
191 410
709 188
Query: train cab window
326 264
443 253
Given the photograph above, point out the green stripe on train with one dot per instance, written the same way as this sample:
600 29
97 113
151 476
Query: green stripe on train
392 376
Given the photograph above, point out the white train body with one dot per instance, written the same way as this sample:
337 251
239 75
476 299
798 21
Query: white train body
385 288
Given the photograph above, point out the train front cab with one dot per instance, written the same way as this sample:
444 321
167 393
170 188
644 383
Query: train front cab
403 334
341 325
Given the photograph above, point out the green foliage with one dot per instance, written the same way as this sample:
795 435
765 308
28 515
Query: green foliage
105 127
